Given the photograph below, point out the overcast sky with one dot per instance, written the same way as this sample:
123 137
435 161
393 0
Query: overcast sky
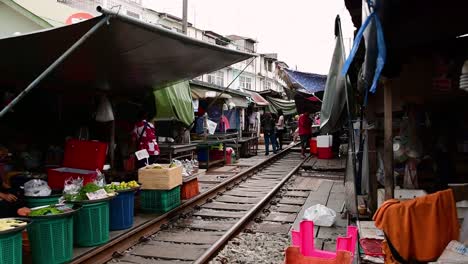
300 31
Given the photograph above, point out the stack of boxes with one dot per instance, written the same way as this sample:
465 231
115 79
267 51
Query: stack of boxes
160 187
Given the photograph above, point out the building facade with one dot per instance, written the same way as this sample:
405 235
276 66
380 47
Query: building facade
258 74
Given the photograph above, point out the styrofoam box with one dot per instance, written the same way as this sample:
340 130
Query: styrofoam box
400 194
324 141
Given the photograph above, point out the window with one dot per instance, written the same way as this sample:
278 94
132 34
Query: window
133 14
245 82
216 78
267 85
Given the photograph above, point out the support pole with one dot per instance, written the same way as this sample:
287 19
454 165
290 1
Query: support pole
53 66
184 16
388 141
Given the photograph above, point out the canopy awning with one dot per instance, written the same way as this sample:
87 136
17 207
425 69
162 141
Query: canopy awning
200 93
124 56
174 102
240 102
303 80
288 107
258 99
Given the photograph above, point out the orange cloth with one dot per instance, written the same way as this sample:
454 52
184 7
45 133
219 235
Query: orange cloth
294 256
421 228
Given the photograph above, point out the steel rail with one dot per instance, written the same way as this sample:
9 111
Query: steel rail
245 219
104 253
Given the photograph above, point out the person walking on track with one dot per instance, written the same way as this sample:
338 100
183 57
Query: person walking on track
280 129
305 131
268 125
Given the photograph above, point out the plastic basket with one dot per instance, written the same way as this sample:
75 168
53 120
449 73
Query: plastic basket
189 189
51 240
160 201
11 248
121 211
91 224
40 201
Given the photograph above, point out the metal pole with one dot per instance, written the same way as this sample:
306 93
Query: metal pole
184 17
54 65
388 141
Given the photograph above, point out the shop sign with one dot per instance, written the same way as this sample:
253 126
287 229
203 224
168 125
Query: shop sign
78 17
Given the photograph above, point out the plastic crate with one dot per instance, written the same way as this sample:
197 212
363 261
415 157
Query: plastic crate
32 202
121 211
51 240
189 189
160 201
11 248
91 224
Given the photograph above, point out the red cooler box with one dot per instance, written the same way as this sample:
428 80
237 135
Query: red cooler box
81 159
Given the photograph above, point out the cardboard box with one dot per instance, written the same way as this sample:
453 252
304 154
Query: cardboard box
165 178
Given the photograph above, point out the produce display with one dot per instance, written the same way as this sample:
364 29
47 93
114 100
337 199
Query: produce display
50 210
121 186
7 224
81 195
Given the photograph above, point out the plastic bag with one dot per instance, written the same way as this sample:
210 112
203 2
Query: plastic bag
37 188
320 215
71 189
100 179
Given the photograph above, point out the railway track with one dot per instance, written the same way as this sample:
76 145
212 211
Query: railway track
200 227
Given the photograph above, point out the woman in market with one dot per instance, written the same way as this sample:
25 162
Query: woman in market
268 125
144 136
280 129
305 130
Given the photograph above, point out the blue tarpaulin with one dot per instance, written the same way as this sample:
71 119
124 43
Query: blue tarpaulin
311 82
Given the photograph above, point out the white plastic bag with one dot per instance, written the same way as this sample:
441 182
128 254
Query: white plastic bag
37 188
320 215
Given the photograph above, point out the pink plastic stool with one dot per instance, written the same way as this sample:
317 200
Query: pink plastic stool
304 239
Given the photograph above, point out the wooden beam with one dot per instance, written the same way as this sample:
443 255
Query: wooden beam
388 140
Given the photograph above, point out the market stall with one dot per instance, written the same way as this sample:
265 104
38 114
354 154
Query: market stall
67 72
411 135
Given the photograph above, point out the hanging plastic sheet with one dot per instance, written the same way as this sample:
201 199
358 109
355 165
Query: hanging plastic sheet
175 102
334 98
376 52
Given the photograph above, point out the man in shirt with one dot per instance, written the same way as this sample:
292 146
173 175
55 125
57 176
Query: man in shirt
268 125
305 130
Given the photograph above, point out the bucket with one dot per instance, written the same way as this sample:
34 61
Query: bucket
121 210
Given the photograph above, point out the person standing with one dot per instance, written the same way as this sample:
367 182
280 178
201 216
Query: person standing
269 133
305 130
144 135
280 128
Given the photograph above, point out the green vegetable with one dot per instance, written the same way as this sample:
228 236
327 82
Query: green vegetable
50 210
88 188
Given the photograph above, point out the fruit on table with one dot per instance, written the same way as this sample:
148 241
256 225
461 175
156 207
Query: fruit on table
24 211
121 186
6 224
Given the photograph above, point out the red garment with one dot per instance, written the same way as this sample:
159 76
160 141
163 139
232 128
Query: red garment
146 139
304 125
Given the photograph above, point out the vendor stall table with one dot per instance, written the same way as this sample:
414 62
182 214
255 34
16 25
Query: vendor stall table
245 147
204 148
176 151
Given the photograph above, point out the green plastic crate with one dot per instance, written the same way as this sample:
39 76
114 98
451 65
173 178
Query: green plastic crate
51 240
91 224
40 201
160 201
11 248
